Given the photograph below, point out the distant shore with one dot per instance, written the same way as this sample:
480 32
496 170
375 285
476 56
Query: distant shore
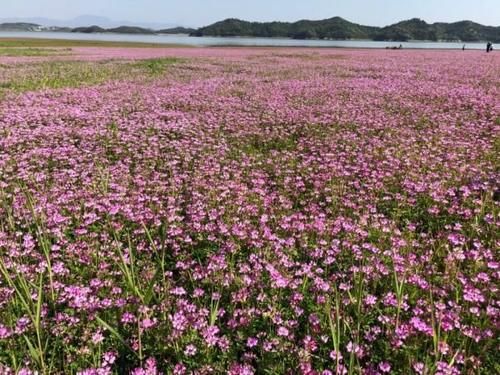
182 40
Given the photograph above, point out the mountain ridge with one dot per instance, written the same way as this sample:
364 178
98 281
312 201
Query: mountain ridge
86 20
335 28
342 29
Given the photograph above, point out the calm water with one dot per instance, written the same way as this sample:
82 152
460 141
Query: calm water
235 41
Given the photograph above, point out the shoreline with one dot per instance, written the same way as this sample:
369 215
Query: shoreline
183 40
17 42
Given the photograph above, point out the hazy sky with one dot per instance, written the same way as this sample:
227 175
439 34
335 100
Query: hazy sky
202 12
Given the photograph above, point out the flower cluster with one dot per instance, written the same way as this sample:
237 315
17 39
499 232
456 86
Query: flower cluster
255 211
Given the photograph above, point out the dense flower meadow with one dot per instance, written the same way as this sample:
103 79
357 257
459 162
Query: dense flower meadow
259 211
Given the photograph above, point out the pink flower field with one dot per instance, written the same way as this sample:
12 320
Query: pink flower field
250 211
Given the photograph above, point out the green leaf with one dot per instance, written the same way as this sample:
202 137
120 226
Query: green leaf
115 333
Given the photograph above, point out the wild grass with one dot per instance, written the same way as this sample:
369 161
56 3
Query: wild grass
229 224
67 74
43 43
30 51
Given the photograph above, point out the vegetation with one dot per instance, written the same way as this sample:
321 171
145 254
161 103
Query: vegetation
339 28
130 30
39 43
64 74
12 51
257 212
88 30
332 28
416 29
177 30
116 30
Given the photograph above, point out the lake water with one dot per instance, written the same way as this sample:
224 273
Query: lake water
236 41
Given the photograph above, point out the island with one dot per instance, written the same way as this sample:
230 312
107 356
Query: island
335 28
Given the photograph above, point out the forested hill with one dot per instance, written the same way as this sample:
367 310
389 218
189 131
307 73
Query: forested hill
339 28
332 28
116 30
176 30
416 29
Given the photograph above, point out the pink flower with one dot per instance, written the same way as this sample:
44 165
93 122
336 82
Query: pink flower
252 342
148 323
97 337
5 332
421 326
283 331
384 367
210 335
127 318
335 356
190 350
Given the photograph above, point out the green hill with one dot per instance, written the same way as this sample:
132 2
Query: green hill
467 31
416 29
176 30
341 29
117 30
130 30
333 28
89 29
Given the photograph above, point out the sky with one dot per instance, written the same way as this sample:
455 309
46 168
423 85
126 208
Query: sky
197 13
